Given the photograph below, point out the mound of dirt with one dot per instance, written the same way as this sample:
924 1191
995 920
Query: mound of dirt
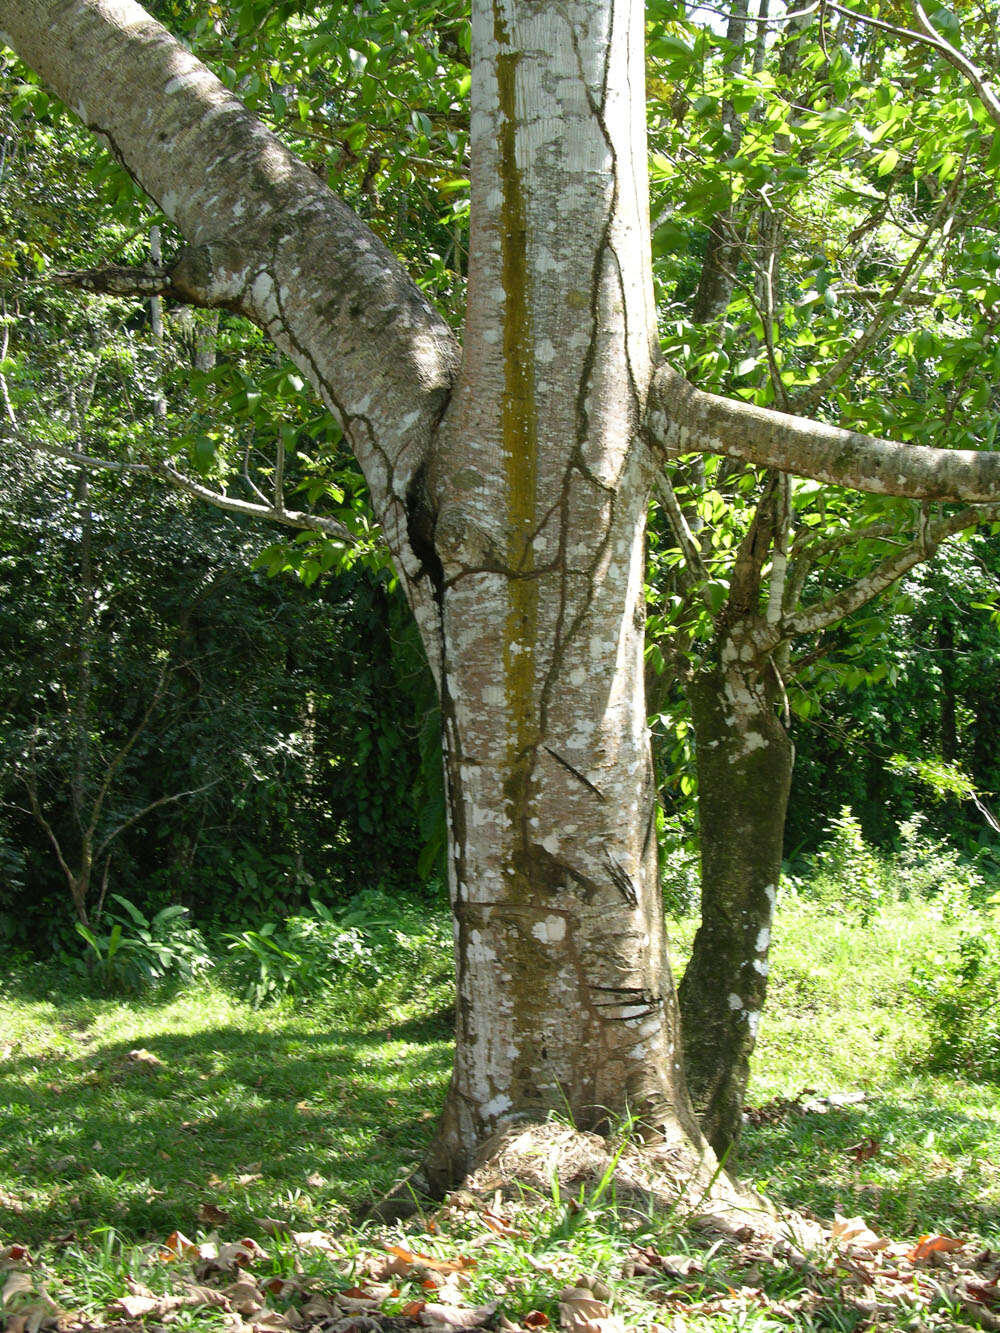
661 1178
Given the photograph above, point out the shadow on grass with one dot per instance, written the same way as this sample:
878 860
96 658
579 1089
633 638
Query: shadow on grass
296 1123
911 1163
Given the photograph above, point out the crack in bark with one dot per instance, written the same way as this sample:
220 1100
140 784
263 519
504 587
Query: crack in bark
621 879
575 771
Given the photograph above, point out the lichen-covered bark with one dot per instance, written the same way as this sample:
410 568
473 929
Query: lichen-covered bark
540 485
744 759
683 419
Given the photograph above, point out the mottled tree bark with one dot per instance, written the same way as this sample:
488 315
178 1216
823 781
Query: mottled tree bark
540 486
744 759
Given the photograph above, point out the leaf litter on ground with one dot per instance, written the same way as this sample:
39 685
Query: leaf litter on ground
457 1268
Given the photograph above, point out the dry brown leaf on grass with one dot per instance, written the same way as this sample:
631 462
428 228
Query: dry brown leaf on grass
317 1240
451 1316
856 1231
141 1303
15 1285
134 1307
237 1254
140 1056
268 1319
245 1296
414 1259
933 1244
319 1308
211 1214
581 1312
355 1304
447 1290
25 1306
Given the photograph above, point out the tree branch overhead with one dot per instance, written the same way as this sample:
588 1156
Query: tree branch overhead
685 420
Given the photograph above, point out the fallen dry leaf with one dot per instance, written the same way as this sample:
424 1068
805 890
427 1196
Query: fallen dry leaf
413 1257
932 1243
211 1214
865 1150
856 1231
581 1312
245 1296
14 1286
134 1307
215 1258
177 1246
140 1056
450 1316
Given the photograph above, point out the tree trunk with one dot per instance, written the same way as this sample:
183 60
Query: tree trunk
540 486
744 761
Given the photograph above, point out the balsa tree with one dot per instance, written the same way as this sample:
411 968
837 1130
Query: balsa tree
511 477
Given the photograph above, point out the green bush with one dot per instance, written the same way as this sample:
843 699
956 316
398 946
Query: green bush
925 867
845 872
960 996
374 941
129 952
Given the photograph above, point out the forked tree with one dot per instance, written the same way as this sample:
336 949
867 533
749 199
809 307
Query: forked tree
511 477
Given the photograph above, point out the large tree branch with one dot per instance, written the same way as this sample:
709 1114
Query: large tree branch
267 237
685 420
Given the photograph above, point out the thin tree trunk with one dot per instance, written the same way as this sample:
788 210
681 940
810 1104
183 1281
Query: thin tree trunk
744 760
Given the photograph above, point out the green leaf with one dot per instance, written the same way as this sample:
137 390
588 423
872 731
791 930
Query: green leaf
887 162
203 453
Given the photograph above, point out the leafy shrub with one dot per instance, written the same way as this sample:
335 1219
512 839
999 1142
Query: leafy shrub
960 997
134 953
371 941
926 867
680 868
845 871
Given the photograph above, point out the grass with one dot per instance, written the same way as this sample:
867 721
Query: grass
921 1152
283 1112
291 1119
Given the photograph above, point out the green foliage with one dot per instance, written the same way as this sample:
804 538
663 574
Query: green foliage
959 995
680 866
374 942
130 953
926 867
846 873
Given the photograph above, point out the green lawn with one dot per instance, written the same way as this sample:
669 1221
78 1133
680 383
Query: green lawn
121 1122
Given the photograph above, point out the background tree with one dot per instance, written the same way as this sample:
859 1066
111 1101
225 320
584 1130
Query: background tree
765 564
